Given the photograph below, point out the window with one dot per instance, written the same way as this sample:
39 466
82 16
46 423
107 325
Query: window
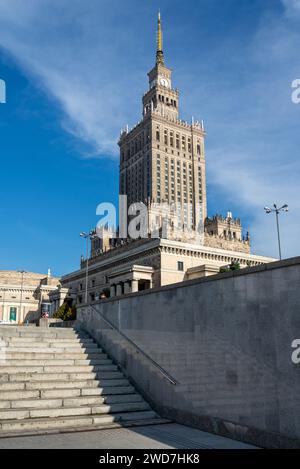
180 266
13 314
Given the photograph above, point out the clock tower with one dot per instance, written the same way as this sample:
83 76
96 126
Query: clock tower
161 96
162 158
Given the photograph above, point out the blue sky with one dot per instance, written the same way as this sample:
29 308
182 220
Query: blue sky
75 73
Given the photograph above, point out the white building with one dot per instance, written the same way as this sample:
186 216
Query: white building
25 295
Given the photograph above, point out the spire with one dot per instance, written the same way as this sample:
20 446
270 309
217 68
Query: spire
159 51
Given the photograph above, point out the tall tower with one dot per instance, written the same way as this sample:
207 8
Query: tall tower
162 158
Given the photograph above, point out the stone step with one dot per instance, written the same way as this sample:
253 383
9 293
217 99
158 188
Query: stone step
54 356
9 414
18 394
57 369
46 340
13 394
93 421
11 386
88 383
58 379
50 344
51 362
35 401
87 387
50 350
85 391
32 326
59 376
39 338
38 333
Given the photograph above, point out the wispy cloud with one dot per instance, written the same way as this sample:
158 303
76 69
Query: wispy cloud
77 56
92 58
253 157
292 7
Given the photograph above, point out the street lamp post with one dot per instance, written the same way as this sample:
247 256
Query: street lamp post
87 237
22 272
3 303
277 210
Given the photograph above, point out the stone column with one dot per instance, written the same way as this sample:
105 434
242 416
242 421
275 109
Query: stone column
112 290
134 286
126 287
119 289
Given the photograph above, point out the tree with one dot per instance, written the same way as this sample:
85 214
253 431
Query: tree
230 268
65 312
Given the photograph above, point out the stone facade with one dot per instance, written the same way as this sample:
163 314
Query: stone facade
226 341
226 233
143 264
162 161
24 296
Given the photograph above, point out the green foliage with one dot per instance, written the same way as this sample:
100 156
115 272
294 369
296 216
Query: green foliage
65 312
230 268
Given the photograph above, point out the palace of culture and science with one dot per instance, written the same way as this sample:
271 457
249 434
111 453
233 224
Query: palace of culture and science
162 161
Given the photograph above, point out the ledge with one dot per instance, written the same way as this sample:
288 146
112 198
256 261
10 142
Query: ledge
212 278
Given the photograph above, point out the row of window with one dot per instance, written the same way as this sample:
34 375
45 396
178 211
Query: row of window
7 297
185 184
167 100
178 141
136 145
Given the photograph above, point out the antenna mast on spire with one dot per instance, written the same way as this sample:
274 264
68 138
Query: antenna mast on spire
159 50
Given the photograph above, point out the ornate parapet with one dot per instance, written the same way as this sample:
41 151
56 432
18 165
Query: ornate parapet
229 244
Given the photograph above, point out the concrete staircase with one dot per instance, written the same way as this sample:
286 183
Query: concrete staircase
57 379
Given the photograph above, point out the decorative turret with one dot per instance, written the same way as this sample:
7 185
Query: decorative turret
226 233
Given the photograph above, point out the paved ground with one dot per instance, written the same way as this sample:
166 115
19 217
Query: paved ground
148 437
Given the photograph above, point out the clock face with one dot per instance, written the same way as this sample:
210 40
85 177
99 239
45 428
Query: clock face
164 82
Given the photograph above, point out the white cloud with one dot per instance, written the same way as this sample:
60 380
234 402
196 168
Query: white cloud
78 58
253 154
292 7
88 59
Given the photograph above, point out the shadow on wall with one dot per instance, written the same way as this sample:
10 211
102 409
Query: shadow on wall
32 316
226 339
